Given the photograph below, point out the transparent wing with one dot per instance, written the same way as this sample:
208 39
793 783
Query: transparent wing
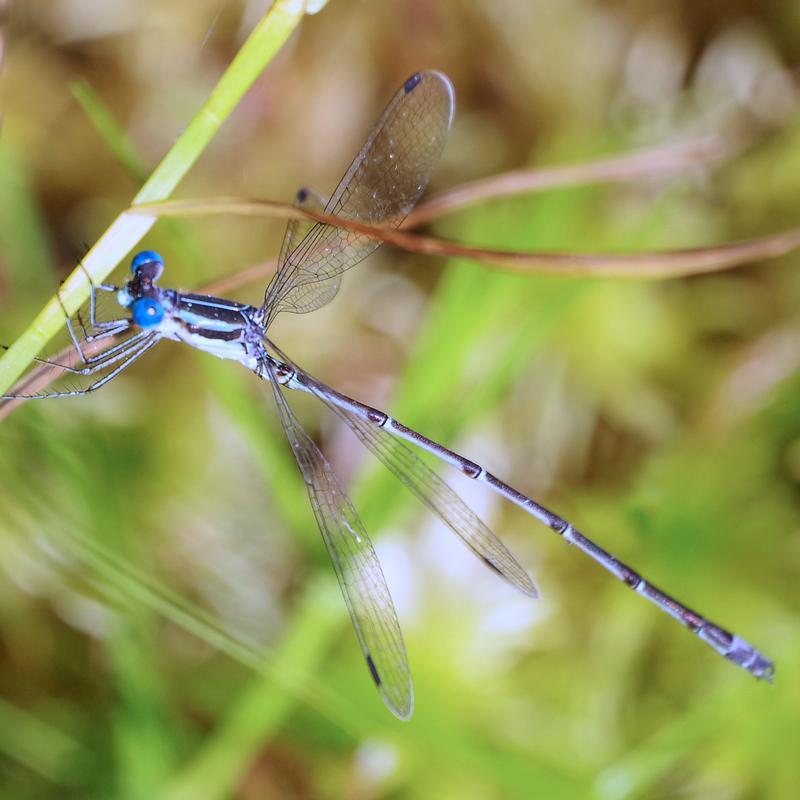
441 499
357 568
437 495
382 185
297 229
326 288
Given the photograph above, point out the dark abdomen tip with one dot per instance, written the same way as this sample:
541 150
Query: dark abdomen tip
412 82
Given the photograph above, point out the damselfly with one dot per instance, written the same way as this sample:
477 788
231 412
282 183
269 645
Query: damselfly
381 187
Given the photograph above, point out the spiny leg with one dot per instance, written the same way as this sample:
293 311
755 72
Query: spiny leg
105 328
102 360
103 287
127 358
93 363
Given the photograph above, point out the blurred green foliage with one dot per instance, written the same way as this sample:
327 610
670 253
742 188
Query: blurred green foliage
169 624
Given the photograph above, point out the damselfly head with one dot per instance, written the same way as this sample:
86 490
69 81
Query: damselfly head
147 266
140 292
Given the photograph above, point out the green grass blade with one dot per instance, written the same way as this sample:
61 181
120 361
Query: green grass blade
127 229
110 131
42 748
23 239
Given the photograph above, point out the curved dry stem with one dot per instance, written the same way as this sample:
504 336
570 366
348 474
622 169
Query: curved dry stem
628 167
651 265
265 40
634 166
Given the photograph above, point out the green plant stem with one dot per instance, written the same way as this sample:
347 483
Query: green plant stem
127 229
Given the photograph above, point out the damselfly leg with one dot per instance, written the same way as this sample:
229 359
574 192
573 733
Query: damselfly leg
92 352
98 329
124 355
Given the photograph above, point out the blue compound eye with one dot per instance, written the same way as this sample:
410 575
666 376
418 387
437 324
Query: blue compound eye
148 264
147 313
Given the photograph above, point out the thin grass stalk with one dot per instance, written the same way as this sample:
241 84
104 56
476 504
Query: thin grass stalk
128 228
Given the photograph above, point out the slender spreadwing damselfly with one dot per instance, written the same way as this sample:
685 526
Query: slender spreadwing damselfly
382 185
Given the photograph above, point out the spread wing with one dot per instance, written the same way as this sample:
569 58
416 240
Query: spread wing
382 185
356 565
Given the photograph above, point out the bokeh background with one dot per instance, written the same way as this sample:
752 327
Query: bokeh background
169 624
